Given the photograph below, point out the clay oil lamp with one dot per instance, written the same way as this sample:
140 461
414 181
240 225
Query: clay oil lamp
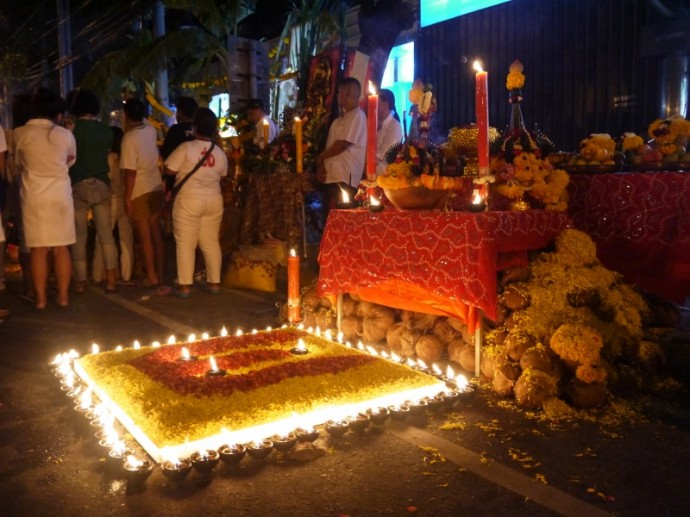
284 442
344 203
213 370
337 428
117 455
232 454
205 460
137 471
306 434
418 407
176 469
399 412
375 204
378 415
185 355
358 422
260 450
300 349
478 204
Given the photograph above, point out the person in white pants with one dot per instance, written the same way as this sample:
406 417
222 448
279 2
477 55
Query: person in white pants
118 216
198 207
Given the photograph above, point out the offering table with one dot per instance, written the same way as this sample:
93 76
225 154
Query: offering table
640 223
431 262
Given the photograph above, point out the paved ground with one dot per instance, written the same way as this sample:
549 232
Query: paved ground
483 457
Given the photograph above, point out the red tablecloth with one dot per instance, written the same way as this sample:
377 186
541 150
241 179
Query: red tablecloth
641 225
442 263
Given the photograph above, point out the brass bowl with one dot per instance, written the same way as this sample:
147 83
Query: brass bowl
416 198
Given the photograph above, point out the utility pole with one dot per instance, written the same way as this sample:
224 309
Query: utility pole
64 31
158 31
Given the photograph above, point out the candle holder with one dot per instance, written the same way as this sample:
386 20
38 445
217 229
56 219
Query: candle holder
378 415
260 450
137 471
232 454
216 373
176 471
205 461
306 435
115 460
375 205
433 403
284 443
358 422
337 428
296 350
399 412
478 207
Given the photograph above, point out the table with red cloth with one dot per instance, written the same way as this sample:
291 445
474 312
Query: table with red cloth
432 262
641 225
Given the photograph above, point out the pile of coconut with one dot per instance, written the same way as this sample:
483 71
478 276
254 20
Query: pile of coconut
568 328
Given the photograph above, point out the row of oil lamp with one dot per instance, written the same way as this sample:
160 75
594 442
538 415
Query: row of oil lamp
122 458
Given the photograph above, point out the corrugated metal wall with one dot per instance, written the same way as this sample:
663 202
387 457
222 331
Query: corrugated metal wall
582 63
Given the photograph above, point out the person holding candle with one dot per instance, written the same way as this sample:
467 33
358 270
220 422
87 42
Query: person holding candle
389 131
259 117
341 165
198 208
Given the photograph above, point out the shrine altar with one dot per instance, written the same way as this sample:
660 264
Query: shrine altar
442 263
640 223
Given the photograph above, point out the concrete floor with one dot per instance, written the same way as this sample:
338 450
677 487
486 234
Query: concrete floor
482 457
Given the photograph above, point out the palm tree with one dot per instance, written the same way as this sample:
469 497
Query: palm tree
188 49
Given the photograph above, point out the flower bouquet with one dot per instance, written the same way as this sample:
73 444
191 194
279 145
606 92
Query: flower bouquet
519 169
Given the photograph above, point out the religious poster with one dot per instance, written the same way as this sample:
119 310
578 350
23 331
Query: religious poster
323 82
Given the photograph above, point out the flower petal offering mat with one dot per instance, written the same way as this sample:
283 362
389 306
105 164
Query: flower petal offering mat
181 397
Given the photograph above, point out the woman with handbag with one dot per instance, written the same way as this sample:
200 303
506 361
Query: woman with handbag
198 167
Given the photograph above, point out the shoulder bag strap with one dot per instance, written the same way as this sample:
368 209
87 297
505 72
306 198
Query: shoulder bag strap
177 187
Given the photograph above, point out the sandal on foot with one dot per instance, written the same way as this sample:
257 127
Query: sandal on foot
182 293
213 288
163 290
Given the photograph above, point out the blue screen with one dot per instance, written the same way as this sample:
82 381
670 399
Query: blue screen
435 11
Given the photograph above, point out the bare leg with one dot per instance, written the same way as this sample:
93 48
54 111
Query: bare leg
158 247
63 273
39 274
143 229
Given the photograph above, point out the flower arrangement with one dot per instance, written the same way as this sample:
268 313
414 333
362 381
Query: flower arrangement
407 169
421 95
519 168
670 135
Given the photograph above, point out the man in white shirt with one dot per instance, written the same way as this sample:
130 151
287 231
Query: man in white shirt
389 131
144 189
341 164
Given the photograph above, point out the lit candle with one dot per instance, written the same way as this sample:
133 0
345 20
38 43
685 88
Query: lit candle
293 300
478 204
481 94
300 349
264 134
372 126
213 368
298 144
374 204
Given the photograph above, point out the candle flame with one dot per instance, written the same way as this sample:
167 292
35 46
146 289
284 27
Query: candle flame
171 340
136 345
340 336
301 345
184 353
223 332
344 196
476 197
95 348
133 462
265 122
85 399
156 344
205 335
203 454
374 201
328 334
293 253
477 66
461 382
450 374
191 338
360 345
436 369
119 447
212 363
422 364
371 350
372 88
239 332
317 331
297 119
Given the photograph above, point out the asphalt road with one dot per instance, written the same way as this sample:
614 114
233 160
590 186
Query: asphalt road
481 457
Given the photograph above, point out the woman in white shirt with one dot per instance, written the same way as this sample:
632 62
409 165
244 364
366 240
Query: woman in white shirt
45 151
198 206
389 129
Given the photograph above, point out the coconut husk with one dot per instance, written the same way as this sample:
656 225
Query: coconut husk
375 326
324 319
515 274
515 298
454 348
651 357
466 358
462 328
408 340
430 348
491 357
509 369
444 331
585 395
349 306
351 327
539 358
364 308
325 302
502 385
393 336
534 388
424 321
517 343
310 299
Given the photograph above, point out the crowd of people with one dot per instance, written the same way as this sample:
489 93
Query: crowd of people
67 167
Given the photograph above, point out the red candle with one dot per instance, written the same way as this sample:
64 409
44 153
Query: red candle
372 126
481 97
293 301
